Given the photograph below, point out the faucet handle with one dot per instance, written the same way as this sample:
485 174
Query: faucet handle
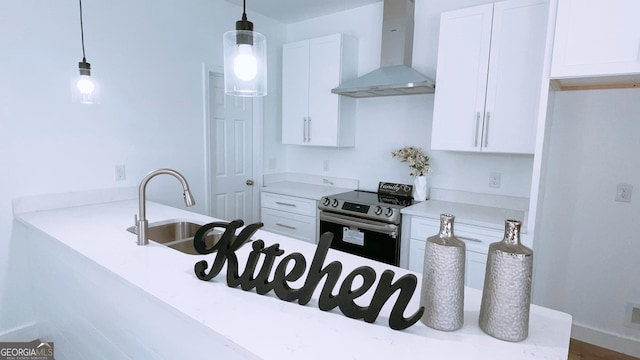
135 219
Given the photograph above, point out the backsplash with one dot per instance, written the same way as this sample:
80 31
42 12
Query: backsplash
386 124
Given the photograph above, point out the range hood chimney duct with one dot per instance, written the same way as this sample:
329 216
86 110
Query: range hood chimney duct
395 75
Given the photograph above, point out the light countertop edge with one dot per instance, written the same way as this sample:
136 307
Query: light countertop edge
485 216
303 190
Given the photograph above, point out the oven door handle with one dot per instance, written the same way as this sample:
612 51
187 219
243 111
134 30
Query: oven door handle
387 229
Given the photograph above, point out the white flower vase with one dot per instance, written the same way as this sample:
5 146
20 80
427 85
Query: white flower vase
420 188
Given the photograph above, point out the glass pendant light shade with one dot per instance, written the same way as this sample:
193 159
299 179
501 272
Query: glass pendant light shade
84 88
245 63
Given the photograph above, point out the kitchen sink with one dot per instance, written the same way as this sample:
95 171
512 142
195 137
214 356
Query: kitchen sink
178 235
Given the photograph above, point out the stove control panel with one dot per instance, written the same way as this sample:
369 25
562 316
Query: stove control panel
375 212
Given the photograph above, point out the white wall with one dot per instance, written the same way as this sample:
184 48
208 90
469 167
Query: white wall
588 243
149 57
388 123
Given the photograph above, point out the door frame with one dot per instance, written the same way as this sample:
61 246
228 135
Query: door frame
257 129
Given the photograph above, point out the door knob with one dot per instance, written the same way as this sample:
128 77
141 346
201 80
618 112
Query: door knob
249 182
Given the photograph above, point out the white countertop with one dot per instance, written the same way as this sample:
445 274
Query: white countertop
303 190
491 217
265 326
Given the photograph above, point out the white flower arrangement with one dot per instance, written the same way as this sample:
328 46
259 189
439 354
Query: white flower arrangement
416 157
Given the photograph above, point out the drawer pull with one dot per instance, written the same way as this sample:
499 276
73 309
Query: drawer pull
286 226
468 239
285 204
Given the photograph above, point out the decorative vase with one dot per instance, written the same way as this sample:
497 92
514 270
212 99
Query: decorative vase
420 188
506 296
442 292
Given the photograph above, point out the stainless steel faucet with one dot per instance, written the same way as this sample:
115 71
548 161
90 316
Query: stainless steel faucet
142 222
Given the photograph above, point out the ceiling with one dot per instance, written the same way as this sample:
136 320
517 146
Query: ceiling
290 11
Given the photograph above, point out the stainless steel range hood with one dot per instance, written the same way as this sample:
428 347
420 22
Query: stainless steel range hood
395 76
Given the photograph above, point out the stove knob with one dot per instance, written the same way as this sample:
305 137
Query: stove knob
334 203
378 210
326 201
389 212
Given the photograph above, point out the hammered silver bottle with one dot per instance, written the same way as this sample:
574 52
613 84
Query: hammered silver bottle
506 296
442 292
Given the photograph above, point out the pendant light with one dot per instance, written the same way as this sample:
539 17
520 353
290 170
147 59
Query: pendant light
245 60
84 88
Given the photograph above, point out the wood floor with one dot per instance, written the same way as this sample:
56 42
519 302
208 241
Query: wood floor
579 350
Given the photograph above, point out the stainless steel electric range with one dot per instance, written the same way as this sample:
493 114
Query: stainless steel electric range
367 223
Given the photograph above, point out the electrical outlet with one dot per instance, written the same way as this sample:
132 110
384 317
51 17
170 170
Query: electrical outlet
494 180
623 192
632 316
120 174
325 165
272 163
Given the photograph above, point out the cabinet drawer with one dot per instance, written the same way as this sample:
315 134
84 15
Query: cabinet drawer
300 227
476 238
290 204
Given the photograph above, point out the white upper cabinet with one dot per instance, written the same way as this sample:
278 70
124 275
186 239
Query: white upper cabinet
596 38
311 114
490 61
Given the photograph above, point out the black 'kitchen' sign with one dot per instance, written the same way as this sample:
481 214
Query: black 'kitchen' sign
344 300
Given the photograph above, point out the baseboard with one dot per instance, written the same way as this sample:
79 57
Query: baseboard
605 339
26 332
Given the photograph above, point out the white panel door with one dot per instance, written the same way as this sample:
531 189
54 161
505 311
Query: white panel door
232 148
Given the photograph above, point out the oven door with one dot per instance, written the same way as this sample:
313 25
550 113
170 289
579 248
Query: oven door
371 239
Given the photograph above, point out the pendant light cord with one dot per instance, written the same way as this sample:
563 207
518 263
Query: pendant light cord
244 10
84 59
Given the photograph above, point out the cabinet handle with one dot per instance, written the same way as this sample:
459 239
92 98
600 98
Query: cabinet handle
468 238
304 129
285 204
485 136
475 143
309 128
286 226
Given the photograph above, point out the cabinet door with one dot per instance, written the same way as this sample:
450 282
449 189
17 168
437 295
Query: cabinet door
475 267
295 96
490 60
416 255
515 72
324 75
596 37
463 61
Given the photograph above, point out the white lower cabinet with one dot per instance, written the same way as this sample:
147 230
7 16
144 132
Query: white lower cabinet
289 215
477 240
